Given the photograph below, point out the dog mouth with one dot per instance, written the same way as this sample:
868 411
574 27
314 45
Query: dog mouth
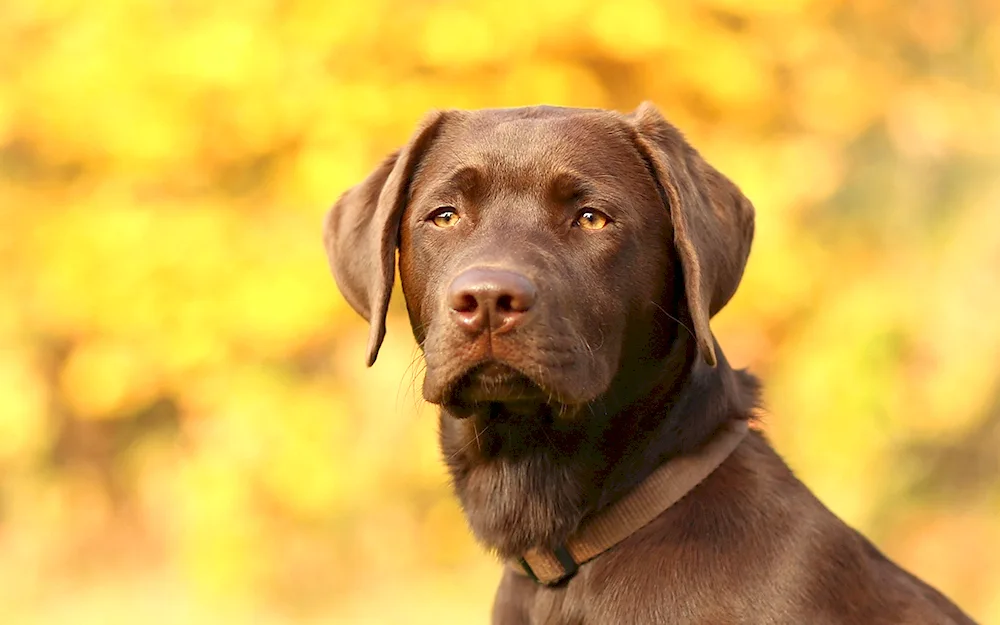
494 384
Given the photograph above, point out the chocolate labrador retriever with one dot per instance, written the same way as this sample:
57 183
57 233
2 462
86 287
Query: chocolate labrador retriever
560 267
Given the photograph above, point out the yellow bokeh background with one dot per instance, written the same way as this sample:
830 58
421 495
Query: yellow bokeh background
188 433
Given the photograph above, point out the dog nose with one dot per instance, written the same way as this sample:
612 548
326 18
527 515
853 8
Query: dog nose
481 297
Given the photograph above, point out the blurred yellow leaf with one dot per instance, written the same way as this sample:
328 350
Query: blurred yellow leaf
181 382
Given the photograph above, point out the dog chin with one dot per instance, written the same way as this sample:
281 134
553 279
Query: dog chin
490 386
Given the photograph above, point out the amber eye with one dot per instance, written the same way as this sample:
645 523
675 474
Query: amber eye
444 217
591 220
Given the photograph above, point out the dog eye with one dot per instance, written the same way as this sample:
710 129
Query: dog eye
590 219
444 217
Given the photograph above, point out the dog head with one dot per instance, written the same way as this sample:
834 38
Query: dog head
548 256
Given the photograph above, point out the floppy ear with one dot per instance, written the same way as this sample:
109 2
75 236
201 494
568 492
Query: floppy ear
713 221
361 232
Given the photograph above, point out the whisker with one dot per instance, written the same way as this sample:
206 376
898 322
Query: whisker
601 330
469 444
415 367
406 373
679 322
552 443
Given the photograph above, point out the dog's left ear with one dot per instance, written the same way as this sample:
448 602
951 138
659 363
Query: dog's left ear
361 232
713 221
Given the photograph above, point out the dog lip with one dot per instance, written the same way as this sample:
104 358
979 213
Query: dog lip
494 381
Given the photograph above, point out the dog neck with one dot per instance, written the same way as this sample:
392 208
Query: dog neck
637 508
532 483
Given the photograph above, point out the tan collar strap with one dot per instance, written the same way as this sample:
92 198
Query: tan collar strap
662 489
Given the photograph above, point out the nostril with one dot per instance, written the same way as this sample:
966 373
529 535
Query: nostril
505 303
517 302
464 303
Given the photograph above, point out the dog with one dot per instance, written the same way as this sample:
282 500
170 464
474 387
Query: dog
560 267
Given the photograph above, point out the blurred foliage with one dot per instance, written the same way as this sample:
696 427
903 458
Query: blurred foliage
187 430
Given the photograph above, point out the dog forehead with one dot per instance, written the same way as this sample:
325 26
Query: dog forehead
540 140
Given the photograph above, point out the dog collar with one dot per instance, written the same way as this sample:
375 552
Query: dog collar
663 488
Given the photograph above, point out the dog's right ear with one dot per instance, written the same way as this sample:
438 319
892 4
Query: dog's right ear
361 232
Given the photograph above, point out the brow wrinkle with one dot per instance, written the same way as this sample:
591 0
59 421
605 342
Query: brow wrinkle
566 186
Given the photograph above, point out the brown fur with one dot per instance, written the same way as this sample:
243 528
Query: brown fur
606 371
